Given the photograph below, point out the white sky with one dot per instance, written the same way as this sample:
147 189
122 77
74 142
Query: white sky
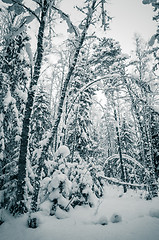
130 17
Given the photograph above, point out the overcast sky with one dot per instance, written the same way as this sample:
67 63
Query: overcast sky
129 17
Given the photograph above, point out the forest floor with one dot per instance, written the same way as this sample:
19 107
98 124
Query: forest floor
139 220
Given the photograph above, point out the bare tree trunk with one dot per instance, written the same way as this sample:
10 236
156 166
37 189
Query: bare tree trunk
20 207
119 151
153 189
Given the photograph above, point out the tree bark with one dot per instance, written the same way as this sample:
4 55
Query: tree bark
119 151
20 207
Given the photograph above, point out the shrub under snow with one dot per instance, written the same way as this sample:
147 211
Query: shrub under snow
70 184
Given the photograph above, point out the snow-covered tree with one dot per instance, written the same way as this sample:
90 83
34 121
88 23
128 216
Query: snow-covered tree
106 58
79 123
140 92
40 127
13 96
155 142
128 137
70 183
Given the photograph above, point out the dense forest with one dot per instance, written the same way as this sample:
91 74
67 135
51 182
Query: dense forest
77 115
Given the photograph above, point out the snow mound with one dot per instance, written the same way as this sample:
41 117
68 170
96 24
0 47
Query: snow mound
115 218
102 221
63 151
61 214
154 213
54 195
45 182
45 207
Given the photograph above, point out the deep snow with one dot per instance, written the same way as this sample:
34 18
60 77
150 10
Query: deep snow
139 220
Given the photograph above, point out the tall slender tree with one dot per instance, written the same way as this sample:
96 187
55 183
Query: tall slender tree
13 95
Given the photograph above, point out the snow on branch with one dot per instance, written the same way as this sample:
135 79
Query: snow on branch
8 100
25 21
152 108
89 85
65 17
62 151
127 157
28 9
114 180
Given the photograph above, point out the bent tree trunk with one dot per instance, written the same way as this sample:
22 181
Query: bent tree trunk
20 206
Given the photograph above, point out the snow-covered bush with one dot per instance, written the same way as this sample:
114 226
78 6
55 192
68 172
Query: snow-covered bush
81 179
70 183
56 189
86 186
8 195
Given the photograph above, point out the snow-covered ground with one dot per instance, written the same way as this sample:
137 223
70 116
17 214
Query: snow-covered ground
138 220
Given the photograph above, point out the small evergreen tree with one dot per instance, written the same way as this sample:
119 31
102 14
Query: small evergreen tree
79 122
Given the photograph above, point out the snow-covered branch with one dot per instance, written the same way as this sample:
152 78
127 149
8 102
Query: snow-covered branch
65 17
84 88
28 9
114 180
129 158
